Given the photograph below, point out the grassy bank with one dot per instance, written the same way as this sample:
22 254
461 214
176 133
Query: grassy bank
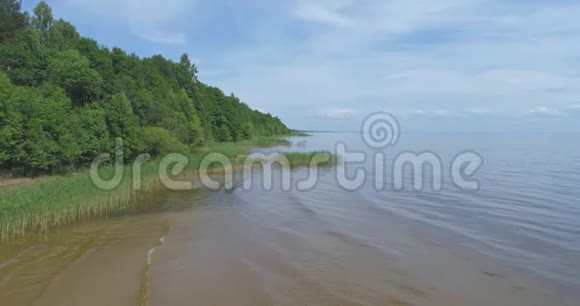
300 134
64 200
49 203
311 159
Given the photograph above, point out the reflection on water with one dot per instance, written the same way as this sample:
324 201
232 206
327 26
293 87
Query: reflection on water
514 242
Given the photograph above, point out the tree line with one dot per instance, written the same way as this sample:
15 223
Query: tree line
64 99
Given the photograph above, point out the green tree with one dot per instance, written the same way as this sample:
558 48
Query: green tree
11 120
72 71
91 132
223 134
124 124
101 61
24 60
12 20
43 18
159 141
65 98
248 130
189 69
192 122
38 139
63 35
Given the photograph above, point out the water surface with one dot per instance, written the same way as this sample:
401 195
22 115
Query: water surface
516 241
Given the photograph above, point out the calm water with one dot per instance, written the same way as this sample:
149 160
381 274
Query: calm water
516 241
526 213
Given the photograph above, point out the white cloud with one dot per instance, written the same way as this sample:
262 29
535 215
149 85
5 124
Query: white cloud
379 16
164 38
159 21
155 19
323 12
446 58
438 113
339 112
545 111
448 55
481 111
453 113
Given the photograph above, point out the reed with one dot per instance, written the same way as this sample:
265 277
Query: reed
41 206
300 134
65 200
311 159
264 142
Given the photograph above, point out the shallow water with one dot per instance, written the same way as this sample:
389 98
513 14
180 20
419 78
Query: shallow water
516 241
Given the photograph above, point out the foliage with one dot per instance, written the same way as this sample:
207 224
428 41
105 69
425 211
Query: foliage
12 21
91 132
248 130
64 99
123 124
36 134
42 19
160 141
71 71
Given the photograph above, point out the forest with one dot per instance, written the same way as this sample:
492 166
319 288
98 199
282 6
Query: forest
65 98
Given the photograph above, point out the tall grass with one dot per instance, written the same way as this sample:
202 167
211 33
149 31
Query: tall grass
299 134
64 200
311 159
41 206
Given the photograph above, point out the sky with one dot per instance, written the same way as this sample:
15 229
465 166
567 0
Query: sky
446 65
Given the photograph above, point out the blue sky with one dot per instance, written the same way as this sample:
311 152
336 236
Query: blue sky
459 65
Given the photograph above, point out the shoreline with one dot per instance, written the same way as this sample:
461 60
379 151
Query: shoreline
50 202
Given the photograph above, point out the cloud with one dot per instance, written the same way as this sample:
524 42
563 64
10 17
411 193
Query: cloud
449 113
566 111
159 21
573 110
322 12
448 58
402 55
481 111
444 113
380 17
164 38
545 111
339 112
155 20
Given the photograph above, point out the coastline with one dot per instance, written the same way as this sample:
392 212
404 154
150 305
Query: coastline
50 202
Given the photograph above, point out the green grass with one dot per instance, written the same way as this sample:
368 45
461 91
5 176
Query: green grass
49 203
265 142
242 147
300 134
64 200
311 159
